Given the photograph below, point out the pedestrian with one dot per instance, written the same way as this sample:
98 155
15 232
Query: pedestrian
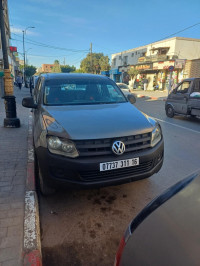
19 81
145 82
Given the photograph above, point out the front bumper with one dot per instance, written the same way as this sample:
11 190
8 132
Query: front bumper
84 172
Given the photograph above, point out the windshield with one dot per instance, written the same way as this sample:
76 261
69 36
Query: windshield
81 92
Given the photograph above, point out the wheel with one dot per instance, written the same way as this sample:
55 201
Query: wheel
169 111
44 188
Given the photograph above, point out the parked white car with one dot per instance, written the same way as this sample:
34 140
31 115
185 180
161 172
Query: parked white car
126 90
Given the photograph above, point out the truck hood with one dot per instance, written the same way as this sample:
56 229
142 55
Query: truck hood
97 121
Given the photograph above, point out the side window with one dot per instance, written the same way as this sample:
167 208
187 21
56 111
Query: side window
183 87
196 86
37 90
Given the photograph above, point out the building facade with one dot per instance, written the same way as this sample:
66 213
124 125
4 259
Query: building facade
169 60
47 68
12 58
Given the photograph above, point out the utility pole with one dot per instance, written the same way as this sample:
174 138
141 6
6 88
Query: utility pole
91 63
11 119
24 58
64 61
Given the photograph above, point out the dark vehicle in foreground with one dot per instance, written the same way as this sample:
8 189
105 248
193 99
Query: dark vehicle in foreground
87 134
184 99
166 232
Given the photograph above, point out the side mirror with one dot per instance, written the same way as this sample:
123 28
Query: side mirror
131 98
29 103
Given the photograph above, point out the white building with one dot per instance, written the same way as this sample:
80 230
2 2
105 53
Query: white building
153 60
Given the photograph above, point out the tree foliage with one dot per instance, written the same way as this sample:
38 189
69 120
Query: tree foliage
133 72
30 70
56 68
95 63
67 69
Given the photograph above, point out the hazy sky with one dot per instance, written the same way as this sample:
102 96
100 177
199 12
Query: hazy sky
110 25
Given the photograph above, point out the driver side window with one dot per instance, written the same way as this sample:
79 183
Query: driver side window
183 87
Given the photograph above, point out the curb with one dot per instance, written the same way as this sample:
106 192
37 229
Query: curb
149 97
141 96
32 243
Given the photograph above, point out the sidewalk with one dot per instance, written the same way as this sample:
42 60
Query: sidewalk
13 173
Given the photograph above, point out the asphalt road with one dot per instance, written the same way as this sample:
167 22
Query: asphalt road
85 227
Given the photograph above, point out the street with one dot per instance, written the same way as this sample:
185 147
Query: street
85 227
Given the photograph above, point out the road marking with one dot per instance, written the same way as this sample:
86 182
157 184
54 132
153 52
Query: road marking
195 131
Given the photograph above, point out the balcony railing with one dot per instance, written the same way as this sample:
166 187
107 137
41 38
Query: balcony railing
153 58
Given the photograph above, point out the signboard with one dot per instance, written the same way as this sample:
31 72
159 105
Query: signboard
142 67
13 49
180 63
163 64
171 68
141 59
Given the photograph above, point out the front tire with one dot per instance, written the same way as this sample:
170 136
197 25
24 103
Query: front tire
44 188
169 111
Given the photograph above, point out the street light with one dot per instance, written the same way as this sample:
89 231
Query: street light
27 55
24 32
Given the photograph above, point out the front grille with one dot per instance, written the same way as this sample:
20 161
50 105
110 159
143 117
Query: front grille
118 173
98 147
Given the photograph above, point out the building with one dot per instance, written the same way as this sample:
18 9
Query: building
152 61
7 31
12 59
47 68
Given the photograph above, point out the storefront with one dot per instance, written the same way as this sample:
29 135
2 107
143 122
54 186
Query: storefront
161 79
115 74
145 71
158 75
105 73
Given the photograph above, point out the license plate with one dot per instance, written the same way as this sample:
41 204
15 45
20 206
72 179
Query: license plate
119 164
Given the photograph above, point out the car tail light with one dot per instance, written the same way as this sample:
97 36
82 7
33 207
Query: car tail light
119 252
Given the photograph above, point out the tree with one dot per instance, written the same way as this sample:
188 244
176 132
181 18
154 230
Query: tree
67 69
30 70
104 63
95 63
56 68
132 74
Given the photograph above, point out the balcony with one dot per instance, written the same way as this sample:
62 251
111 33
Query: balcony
153 58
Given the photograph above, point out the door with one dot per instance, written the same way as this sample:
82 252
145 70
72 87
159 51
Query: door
180 97
194 99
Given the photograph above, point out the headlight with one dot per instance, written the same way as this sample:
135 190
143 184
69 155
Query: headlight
62 147
156 135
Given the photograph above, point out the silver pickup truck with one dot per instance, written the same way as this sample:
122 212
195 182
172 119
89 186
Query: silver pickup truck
184 99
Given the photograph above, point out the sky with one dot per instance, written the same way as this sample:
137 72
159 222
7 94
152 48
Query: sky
64 29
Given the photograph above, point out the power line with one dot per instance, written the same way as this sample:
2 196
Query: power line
47 45
67 55
178 32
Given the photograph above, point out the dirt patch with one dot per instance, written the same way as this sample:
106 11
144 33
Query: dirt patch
61 255
97 201
77 254
111 199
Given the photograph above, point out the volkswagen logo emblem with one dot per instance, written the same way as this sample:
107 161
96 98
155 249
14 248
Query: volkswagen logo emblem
118 147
